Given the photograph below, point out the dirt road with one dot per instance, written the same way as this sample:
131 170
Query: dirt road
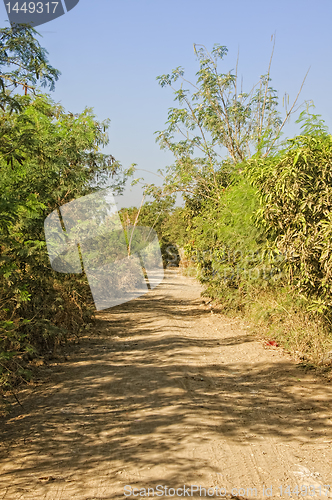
165 392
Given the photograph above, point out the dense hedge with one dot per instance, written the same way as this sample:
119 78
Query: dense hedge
270 224
296 206
47 158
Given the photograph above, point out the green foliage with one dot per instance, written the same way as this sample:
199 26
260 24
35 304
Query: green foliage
296 206
215 118
26 62
47 158
227 248
257 212
159 215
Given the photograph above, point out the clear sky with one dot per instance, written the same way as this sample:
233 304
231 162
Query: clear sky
111 51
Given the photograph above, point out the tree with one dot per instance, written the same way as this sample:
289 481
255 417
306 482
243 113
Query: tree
154 214
48 157
217 118
27 65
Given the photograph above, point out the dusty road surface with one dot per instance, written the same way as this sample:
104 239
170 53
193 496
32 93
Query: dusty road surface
164 392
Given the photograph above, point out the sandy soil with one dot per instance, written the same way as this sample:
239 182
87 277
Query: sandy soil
165 392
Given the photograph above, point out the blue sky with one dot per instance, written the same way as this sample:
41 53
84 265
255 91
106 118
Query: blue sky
111 51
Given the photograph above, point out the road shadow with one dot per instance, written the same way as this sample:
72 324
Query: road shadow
132 397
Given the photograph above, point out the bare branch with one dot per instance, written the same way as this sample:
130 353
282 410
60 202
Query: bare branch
287 116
